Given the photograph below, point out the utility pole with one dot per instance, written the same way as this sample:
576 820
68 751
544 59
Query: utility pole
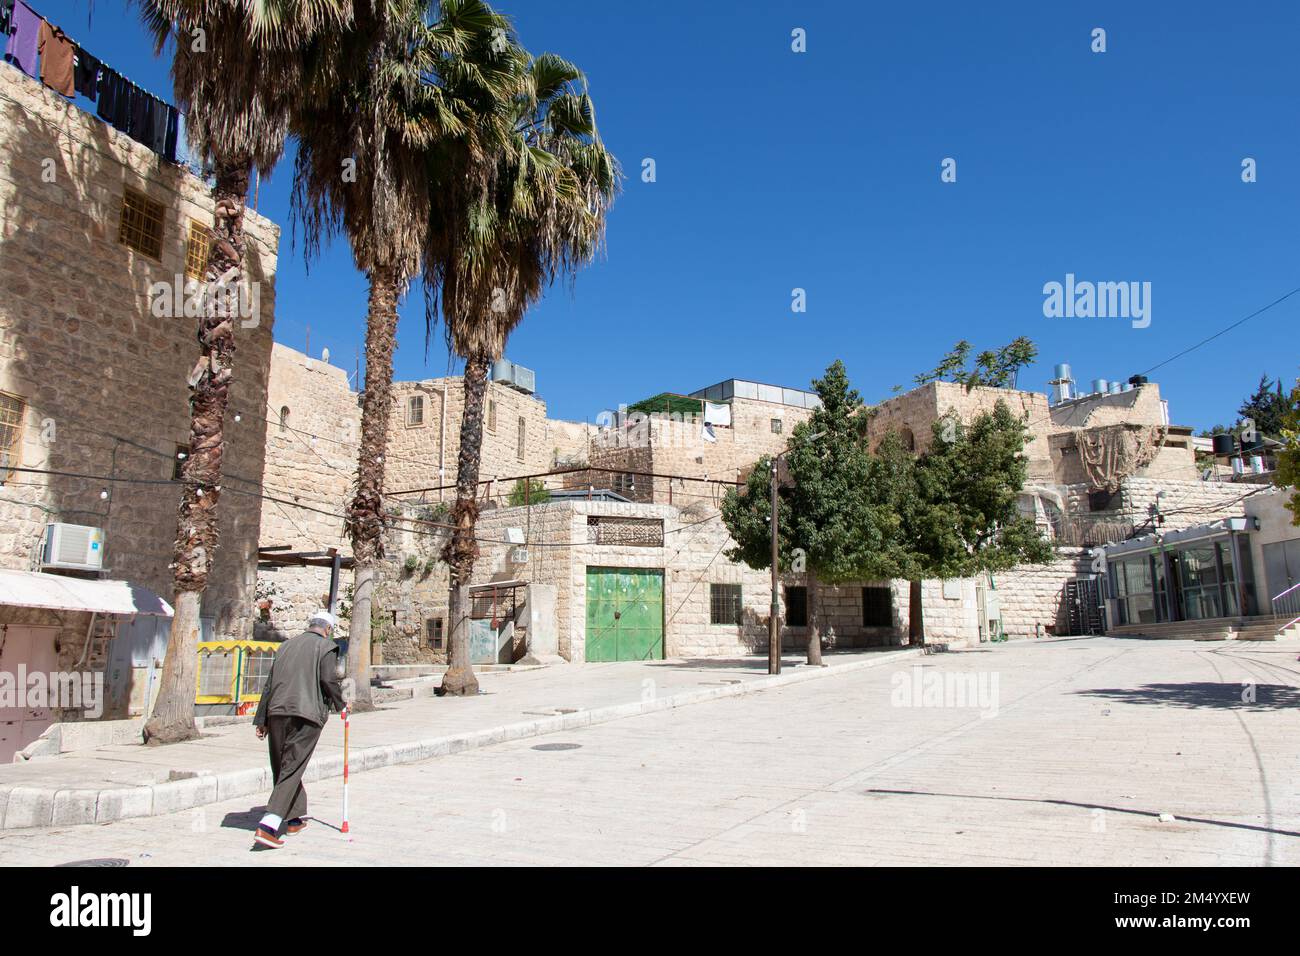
773 624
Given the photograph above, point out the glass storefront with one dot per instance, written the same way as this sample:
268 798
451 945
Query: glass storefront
1186 582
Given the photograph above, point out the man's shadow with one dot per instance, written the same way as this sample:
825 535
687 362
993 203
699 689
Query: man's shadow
248 820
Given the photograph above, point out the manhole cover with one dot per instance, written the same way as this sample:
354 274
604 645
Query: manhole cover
103 861
557 746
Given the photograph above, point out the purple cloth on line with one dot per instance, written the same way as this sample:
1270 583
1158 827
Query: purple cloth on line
25 37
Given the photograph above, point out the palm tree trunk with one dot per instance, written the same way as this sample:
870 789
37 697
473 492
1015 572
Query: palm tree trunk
915 615
365 522
197 533
461 550
814 623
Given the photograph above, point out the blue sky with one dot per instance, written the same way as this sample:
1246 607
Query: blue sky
821 171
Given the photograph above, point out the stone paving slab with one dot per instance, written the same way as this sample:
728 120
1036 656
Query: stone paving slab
1091 741
121 781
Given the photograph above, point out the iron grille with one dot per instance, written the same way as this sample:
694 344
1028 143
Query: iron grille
632 532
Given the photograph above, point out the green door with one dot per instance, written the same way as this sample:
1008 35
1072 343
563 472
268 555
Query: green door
625 614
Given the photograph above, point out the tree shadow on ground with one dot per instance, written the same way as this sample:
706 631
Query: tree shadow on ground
1203 694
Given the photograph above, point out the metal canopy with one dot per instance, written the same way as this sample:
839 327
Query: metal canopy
279 556
56 592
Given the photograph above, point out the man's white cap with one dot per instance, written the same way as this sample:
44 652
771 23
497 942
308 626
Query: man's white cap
324 617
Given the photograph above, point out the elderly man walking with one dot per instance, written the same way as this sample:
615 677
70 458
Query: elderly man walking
305 681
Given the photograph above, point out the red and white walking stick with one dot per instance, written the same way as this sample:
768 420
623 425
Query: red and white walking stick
346 725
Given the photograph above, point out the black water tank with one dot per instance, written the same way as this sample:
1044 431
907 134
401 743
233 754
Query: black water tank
1224 446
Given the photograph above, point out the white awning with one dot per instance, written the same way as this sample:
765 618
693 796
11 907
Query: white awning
55 592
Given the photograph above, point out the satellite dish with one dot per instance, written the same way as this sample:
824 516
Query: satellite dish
324 355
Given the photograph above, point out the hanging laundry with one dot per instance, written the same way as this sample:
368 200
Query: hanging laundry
138 129
87 74
56 59
157 130
23 42
107 94
125 93
173 127
717 414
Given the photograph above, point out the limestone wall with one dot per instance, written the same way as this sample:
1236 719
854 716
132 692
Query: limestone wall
103 379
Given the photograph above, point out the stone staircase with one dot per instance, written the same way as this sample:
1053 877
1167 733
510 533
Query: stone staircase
1259 628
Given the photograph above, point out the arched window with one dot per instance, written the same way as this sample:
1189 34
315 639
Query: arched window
284 418
909 439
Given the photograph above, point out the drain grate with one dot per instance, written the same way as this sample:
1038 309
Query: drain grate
557 746
102 861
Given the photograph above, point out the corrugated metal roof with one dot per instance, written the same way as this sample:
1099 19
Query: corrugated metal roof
56 592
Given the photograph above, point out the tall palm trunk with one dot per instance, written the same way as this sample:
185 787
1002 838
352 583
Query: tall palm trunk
366 513
461 550
814 623
197 533
915 615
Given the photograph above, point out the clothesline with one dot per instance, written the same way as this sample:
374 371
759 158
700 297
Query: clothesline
80 46
68 68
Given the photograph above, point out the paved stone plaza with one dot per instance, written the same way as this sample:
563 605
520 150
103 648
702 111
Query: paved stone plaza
1062 752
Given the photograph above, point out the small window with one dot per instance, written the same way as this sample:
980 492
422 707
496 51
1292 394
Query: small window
12 410
141 225
724 604
625 485
433 632
1102 500
196 251
523 434
777 426
492 417
415 411
796 606
284 418
877 607
178 463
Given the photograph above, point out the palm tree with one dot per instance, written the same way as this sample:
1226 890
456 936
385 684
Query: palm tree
392 93
540 216
235 74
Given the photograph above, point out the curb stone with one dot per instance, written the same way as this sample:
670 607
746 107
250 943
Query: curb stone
28 807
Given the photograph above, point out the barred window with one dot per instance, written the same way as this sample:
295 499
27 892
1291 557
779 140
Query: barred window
196 251
877 607
12 410
257 668
637 532
217 672
433 631
415 411
724 604
178 463
523 426
777 426
492 417
625 485
141 225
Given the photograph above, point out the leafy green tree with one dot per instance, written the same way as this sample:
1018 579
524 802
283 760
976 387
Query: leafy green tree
960 517
993 369
1266 408
1287 474
529 491
835 522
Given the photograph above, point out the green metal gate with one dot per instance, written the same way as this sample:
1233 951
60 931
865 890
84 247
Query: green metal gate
625 614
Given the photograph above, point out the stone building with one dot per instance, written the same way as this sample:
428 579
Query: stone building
312 434
93 366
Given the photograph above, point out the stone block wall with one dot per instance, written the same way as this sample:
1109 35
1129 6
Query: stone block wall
102 378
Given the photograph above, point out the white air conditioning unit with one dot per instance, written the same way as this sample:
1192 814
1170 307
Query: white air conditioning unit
518 555
516 376
76 547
